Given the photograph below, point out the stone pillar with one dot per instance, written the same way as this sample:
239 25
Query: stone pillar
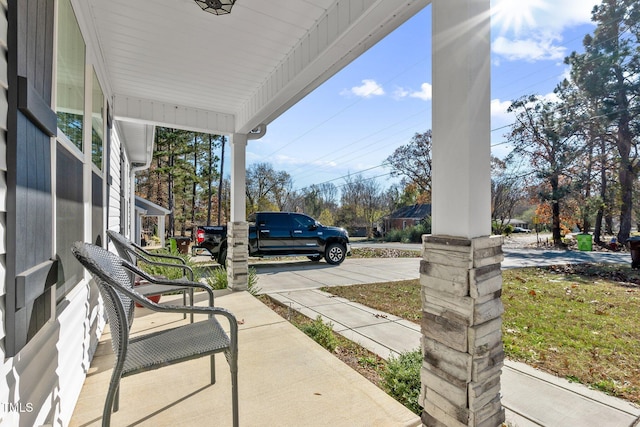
461 327
237 256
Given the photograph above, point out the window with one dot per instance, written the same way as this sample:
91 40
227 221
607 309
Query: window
274 220
97 122
69 218
303 221
70 75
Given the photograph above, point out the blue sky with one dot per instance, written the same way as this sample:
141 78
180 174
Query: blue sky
355 120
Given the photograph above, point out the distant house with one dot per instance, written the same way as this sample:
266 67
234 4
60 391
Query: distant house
515 222
146 208
407 216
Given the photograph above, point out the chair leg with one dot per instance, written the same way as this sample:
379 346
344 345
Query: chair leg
184 303
213 369
116 401
191 301
234 396
112 400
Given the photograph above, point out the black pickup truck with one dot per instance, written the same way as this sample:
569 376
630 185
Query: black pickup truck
280 234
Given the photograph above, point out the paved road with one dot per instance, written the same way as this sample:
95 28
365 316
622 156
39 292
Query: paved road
298 275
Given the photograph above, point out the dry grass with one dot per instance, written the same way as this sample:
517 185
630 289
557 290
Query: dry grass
578 322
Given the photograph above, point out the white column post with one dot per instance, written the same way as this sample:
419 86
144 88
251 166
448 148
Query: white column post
238 145
461 202
237 228
460 271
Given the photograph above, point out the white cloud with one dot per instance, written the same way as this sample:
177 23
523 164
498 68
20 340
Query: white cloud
521 16
539 47
400 93
368 89
424 93
499 109
530 30
566 13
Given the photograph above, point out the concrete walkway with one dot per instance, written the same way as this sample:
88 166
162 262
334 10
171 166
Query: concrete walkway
531 397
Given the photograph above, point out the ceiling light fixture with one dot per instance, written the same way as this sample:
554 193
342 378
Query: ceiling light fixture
217 7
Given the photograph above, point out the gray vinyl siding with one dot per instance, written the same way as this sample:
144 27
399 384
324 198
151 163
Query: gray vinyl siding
3 169
51 357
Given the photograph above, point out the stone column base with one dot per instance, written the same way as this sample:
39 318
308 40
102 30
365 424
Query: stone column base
461 331
238 256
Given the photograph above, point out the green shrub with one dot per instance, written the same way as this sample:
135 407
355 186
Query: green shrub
410 234
217 279
171 273
393 236
401 379
322 333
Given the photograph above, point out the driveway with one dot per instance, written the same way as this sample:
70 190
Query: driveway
299 275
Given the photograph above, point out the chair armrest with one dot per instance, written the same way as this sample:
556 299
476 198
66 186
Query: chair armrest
157 281
209 311
187 271
157 255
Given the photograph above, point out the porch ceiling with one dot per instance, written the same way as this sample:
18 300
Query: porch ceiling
167 62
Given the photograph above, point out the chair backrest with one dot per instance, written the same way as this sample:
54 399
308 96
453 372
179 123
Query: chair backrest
112 279
124 247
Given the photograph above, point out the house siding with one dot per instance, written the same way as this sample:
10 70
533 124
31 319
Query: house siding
115 182
3 173
44 378
3 169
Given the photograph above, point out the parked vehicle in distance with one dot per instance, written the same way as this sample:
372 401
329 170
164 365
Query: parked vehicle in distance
280 234
521 230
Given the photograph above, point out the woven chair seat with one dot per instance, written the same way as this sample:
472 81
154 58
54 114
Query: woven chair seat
175 345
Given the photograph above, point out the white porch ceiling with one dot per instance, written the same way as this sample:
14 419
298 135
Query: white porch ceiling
167 62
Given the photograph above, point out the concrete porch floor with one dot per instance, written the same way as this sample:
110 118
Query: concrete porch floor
285 379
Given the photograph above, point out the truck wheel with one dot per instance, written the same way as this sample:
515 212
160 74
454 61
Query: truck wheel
335 253
222 257
315 258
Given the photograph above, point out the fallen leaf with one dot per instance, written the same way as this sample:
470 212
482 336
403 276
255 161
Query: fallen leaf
532 293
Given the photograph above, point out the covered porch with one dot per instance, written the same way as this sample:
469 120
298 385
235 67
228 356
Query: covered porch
286 379
171 64
120 68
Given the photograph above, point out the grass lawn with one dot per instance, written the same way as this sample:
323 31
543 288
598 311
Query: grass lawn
579 322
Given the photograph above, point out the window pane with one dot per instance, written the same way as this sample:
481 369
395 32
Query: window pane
97 122
70 75
69 218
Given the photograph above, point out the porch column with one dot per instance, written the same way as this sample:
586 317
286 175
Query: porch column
237 228
460 271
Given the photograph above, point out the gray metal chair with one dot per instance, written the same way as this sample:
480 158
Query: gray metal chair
135 254
154 350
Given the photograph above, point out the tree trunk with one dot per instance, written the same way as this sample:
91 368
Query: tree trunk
194 185
220 182
603 191
555 211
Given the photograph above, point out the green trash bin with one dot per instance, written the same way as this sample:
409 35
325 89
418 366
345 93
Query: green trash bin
585 241
173 246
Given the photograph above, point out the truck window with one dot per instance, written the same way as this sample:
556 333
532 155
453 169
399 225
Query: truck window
273 220
302 221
